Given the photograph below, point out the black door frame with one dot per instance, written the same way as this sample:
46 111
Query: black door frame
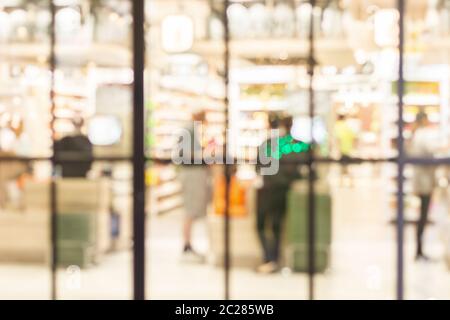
138 151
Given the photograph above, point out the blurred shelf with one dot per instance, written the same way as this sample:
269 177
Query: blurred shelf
331 51
327 50
111 55
167 205
419 100
167 189
255 105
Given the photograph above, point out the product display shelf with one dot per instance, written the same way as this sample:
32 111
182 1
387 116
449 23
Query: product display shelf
177 98
440 43
270 46
327 50
188 92
248 134
426 89
254 92
71 102
173 111
25 103
165 193
102 54
166 119
362 109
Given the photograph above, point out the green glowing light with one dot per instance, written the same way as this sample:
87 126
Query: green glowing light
287 145
297 148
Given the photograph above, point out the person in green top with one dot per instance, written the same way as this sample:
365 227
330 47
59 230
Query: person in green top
286 145
272 195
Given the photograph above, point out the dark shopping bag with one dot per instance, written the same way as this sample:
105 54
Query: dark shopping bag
76 239
296 249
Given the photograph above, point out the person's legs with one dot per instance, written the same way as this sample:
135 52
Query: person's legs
189 254
277 225
267 243
421 223
195 204
195 192
262 235
263 218
345 179
187 233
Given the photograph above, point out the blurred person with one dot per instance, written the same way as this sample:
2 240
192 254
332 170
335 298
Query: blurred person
194 177
272 200
422 145
12 173
345 138
75 146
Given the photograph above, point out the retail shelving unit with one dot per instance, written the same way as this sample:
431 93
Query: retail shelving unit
328 50
100 54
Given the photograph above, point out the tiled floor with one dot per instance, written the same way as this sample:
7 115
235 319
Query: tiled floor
362 267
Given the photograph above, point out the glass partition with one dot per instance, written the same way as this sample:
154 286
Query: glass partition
333 116
185 125
92 120
24 137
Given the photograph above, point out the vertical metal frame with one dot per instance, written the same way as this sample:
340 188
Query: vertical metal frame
138 153
227 229
311 225
400 223
53 204
400 160
138 150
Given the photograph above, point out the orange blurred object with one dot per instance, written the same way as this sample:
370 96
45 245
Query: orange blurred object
238 196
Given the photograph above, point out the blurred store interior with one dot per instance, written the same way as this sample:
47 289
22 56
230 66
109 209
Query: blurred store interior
85 116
